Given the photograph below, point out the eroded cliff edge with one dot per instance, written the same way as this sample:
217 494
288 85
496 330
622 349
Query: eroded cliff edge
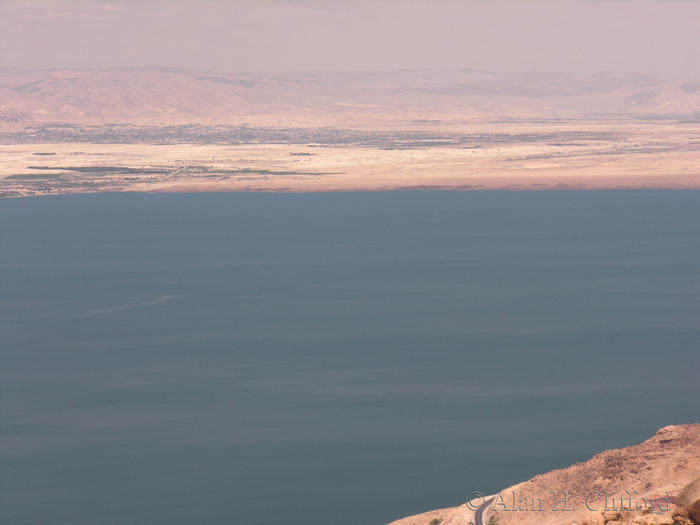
641 484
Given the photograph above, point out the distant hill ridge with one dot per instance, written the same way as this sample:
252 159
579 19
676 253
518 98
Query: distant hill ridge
162 95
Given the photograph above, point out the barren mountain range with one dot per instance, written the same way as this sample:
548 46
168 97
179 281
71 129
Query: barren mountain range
163 96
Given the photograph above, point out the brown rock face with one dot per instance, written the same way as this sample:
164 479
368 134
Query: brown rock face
688 504
617 486
611 516
647 477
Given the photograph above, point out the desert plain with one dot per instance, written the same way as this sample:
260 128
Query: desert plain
172 130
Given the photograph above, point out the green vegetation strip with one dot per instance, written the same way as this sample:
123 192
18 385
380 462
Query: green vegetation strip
31 176
267 172
95 169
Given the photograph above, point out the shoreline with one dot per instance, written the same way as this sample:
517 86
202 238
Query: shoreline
60 168
150 130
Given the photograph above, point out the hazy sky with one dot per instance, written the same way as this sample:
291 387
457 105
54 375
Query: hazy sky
581 36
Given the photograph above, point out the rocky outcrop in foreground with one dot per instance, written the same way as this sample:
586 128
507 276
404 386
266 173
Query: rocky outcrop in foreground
687 511
654 483
614 486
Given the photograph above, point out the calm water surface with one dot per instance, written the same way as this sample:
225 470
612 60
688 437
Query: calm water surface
332 358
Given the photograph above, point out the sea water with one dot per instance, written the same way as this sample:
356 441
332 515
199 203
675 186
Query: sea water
347 358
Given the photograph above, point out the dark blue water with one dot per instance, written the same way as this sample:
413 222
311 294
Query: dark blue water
332 358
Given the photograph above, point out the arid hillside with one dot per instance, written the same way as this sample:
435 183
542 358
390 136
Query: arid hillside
649 478
642 475
162 96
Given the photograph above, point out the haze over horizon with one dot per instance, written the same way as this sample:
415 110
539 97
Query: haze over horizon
275 37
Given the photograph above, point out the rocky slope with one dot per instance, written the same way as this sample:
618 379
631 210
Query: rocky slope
649 477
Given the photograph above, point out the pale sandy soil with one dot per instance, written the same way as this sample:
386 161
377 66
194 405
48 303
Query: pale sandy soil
628 158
